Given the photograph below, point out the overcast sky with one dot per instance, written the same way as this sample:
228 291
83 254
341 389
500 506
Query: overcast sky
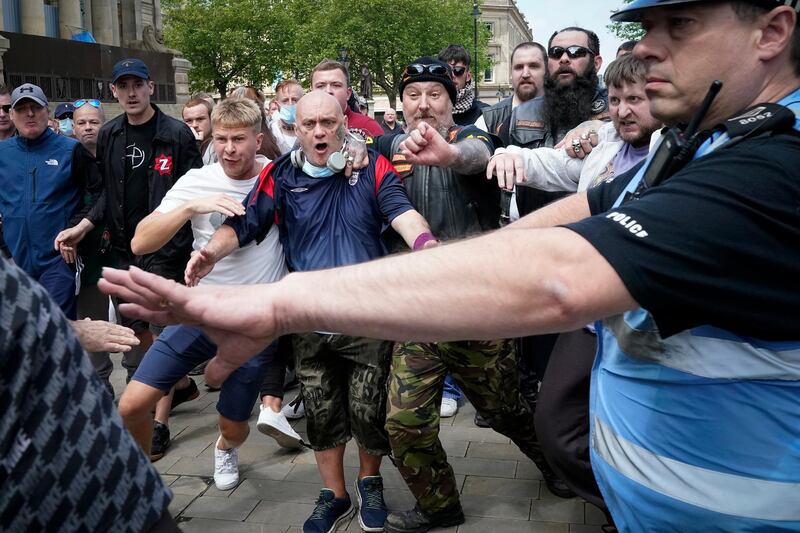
547 16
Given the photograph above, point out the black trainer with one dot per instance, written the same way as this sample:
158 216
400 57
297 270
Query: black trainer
480 421
184 395
416 521
160 442
555 484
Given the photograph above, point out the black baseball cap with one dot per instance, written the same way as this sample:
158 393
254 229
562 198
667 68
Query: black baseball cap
130 67
427 68
64 109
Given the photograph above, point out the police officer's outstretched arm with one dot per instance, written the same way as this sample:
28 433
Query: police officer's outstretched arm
446 293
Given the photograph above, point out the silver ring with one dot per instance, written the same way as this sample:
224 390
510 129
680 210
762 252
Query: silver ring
584 137
576 145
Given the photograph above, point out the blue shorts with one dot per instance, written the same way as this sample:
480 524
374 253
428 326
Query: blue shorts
181 348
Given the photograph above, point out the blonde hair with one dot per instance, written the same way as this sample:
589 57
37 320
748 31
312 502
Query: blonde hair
237 113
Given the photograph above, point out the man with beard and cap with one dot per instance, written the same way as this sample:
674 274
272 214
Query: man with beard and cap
456 199
466 111
467 108
685 261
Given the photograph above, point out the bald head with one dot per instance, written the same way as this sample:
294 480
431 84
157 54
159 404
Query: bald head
320 126
317 101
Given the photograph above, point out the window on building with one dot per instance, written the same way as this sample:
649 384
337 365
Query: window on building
490 29
51 28
488 73
11 20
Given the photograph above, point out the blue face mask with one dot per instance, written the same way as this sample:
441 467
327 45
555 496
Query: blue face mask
65 126
288 113
316 172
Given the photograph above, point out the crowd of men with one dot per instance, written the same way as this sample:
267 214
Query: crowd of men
600 267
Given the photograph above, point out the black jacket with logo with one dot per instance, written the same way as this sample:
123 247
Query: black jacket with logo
174 154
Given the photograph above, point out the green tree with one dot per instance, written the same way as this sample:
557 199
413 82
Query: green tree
229 41
384 35
627 31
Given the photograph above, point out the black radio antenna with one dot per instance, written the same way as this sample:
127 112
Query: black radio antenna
691 129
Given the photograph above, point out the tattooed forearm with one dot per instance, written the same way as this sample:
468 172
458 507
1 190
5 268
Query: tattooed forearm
472 157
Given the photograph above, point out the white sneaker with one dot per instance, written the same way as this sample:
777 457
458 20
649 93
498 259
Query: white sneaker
449 407
295 409
226 468
276 426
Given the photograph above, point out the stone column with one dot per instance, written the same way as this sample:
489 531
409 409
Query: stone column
69 18
182 67
5 44
131 21
103 21
32 17
2 22
116 38
88 19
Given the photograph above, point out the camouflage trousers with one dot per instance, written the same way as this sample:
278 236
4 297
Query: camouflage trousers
486 371
343 383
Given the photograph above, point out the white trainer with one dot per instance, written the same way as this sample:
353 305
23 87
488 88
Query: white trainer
226 468
276 426
449 407
295 409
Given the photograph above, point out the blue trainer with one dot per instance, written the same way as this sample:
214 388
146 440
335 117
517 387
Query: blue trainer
371 507
328 513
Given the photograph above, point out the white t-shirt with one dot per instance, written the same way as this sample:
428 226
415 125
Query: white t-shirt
255 263
285 141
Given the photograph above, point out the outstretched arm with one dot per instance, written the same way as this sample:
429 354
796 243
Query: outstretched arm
459 291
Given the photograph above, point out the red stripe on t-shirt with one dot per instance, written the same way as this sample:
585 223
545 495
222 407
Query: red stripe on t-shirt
265 182
382 167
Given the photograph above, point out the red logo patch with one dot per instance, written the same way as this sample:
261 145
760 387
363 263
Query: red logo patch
163 164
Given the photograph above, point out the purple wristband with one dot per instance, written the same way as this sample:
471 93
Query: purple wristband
421 239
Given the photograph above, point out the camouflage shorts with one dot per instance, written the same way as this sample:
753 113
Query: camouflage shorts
343 382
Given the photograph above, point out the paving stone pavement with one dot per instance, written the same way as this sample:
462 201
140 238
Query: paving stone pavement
501 490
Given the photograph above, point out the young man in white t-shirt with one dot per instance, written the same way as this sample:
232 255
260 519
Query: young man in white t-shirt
205 197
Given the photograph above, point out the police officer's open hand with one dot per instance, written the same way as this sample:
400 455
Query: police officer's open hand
425 146
509 169
239 319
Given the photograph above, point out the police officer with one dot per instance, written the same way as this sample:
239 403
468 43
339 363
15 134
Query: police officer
696 383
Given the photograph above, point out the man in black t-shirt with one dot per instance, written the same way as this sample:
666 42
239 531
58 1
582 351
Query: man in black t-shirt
696 382
141 154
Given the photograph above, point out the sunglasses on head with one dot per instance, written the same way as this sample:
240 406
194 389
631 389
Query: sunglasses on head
459 71
415 69
6 108
573 52
82 102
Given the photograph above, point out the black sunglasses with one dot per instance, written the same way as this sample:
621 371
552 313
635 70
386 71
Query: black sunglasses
415 69
459 71
6 108
573 52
